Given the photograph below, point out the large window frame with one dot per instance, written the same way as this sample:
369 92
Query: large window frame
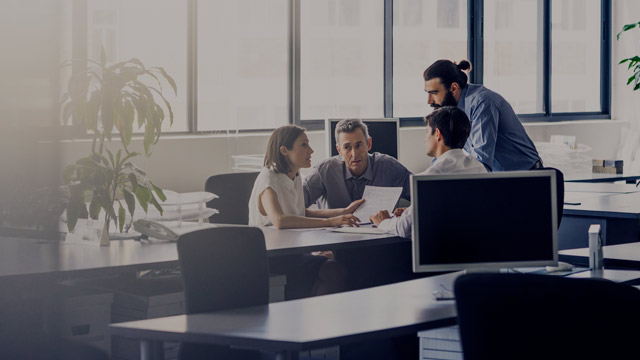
475 20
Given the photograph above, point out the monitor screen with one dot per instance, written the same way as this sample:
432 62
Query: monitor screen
384 133
484 221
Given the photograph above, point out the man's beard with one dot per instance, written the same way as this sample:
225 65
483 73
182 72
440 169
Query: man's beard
448 100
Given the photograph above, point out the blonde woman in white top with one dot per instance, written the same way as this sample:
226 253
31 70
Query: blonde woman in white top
277 198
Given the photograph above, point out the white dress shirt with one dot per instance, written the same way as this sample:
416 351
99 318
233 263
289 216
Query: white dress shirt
454 161
290 195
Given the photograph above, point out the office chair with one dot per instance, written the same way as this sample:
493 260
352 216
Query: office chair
234 191
527 316
222 268
559 191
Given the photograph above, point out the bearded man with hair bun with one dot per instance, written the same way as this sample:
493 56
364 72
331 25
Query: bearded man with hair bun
498 139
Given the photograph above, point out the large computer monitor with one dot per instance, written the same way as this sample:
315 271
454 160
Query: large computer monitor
384 133
484 221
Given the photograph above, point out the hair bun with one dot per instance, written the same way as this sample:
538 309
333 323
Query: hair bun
464 65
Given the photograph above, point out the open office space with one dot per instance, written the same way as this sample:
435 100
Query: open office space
165 94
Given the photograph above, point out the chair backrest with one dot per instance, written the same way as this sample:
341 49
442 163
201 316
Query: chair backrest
526 316
559 191
234 191
224 268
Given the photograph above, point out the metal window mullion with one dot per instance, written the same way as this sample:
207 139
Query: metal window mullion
475 39
294 62
192 66
605 57
546 58
388 59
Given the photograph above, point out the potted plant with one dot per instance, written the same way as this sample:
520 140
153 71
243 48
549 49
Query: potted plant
104 99
634 61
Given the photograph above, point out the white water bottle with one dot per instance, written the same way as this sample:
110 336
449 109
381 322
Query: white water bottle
595 247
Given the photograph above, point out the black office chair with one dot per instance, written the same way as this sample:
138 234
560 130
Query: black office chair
223 268
234 191
526 316
559 191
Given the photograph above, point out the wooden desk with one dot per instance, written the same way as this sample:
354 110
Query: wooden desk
617 214
292 326
31 257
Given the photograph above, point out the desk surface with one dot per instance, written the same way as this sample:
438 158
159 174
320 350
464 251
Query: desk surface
590 177
600 187
23 256
623 255
603 205
368 314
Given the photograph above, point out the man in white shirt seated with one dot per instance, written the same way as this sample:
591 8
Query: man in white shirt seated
447 131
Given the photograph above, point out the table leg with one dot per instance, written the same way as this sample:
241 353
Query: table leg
151 350
288 355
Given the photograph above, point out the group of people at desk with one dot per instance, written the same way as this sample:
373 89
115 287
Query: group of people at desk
472 130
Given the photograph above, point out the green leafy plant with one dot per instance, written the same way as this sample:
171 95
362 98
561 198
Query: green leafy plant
634 61
110 181
104 99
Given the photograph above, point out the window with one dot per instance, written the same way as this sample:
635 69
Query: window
357 58
153 31
242 64
575 55
513 52
423 31
34 40
341 59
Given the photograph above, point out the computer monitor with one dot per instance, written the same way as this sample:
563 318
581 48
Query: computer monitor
484 221
384 133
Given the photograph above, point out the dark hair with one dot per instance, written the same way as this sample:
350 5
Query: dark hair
453 124
448 72
351 125
282 136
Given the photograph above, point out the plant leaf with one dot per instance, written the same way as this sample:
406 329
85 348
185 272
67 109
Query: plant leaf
166 103
156 204
133 180
95 206
148 139
627 28
159 192
169 79
130 200
121 217
76 208
143 195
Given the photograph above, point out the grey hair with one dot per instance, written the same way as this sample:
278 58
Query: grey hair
349 126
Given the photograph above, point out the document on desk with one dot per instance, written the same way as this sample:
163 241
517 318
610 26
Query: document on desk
377 198
358 230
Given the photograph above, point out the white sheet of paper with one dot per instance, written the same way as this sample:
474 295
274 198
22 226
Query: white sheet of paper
377 198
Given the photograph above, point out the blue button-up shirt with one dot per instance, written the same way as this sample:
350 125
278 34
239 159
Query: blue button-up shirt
497 139
331 185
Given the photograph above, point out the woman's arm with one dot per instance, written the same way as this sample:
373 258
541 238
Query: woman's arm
269 205
327 213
